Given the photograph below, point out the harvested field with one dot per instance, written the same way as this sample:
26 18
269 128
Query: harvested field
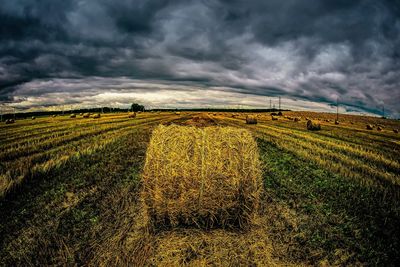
73 191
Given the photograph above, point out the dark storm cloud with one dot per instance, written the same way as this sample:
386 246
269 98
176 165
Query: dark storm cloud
300 49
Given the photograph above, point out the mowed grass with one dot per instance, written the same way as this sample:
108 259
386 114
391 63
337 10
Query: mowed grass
69 187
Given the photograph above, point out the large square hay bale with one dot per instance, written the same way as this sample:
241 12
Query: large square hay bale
202 177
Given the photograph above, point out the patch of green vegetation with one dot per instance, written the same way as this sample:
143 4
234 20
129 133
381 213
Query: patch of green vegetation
324 216
57 218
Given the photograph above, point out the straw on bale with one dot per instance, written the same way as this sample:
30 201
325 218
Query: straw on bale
251 120
201 177
370 127
313 125
72 116
96 116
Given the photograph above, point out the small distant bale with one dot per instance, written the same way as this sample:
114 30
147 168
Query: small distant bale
274 114
313 125
337 122
33 118
54 115
297 119
96 116
370 127
379 128
279 113
307 119
177 113
395 131
86 115
72 116
327 120
10 121
274 118
251 120
80 114
132 115
351 122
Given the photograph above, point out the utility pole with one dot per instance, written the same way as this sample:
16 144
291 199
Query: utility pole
383 111
270 104
337 109
279 103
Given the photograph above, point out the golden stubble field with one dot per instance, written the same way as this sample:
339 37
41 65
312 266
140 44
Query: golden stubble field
74 192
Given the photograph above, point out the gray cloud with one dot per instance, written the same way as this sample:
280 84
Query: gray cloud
313 51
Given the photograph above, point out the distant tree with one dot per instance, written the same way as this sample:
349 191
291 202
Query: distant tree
137 107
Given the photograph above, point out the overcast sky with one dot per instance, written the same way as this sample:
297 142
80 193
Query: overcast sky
201 53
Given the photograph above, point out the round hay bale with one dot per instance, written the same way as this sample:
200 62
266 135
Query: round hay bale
313 125
10 121
280 113
177 113
297 119
395 131
201 177
274 118
96 116
370 127
251 120
33 118
132 115
337 122
379 128
274 114
86 115
72 116
54 115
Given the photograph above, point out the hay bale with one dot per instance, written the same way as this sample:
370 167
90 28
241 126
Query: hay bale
370 127
54 115
177 113
279 113
72 116
86 115
313 125
132 115
201 177
274 118
81 114
96 116
33 118
379 128
10 121
395 131
337 122
274 114
251 120
297 119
